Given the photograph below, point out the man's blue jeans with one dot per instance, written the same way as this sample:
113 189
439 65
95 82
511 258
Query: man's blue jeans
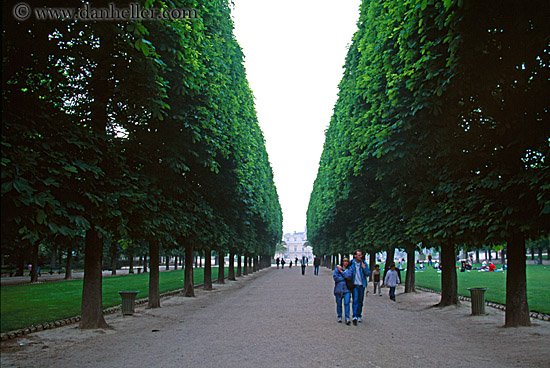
339 299
358 296
392 292
316 270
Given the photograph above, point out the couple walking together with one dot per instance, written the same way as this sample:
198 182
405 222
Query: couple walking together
351 279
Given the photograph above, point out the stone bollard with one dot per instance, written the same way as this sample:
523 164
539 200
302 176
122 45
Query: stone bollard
128 301
478 300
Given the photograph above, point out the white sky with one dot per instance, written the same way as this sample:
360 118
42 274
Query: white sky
294 53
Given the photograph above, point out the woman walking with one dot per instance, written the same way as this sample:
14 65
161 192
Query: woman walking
341 291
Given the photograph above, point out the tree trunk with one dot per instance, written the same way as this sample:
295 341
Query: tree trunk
20 261
167 263
175 263
239 266
188 287
410 286
477 256
540 255
449 294
245 265
517 309
372 262
145 263
131 260
53 258
207 269
69 264
221 270
231 270
92 297
154 275
532 254
113 258
390 255
34 269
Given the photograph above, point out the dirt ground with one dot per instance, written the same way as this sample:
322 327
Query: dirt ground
277 317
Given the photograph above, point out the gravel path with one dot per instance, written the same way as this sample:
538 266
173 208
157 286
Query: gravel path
277 317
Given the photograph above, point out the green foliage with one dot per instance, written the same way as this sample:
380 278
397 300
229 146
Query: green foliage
430 140
141 130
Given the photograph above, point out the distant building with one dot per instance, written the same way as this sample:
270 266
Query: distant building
296 247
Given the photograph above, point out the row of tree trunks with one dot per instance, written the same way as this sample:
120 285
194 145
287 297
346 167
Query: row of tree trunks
517 308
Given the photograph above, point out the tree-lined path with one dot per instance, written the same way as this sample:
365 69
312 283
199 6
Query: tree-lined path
276 317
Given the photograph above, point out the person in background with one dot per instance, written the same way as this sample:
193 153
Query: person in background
341 291
361 272
283 263
316 264
376 280
391 281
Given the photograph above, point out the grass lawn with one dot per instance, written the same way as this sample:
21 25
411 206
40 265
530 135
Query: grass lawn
30 304
538 284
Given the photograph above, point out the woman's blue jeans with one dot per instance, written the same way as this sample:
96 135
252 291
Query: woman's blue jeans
345 298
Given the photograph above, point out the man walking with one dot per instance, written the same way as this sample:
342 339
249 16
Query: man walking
361 272
391 280
316 263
